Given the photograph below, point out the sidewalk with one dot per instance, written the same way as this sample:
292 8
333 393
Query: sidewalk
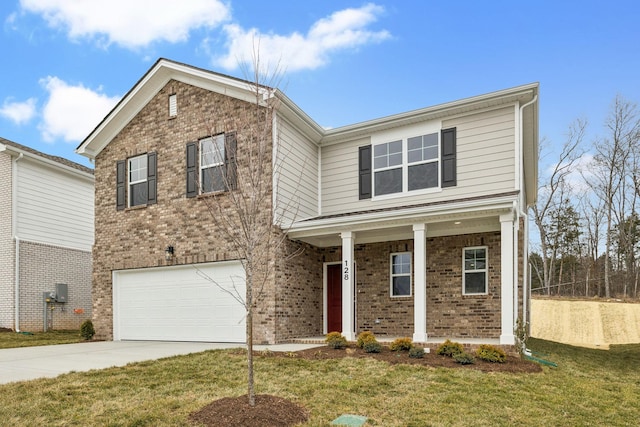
27 363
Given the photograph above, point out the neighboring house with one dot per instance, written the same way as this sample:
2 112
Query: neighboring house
46 235
411 225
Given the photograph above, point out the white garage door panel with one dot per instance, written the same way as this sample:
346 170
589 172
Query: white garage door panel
178 304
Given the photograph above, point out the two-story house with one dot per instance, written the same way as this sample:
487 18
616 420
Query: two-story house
409 225
46 237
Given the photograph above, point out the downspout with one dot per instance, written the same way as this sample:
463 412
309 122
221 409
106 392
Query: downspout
16 238
522 213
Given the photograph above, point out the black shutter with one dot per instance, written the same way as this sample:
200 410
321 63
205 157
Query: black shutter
152 178
230 147
121 200
192 169
364 167
448 141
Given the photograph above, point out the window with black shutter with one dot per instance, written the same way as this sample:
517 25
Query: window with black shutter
136 181
211 164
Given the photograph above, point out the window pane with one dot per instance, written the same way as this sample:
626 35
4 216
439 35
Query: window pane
401 264
213 179
414 156
380 150
430 153
474 283
212 151
431 140
401 285
414 143
388 182
395 159
138 169
395 147
423 176
139 194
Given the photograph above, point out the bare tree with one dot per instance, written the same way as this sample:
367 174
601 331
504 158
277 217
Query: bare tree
552 194
245 215
611 165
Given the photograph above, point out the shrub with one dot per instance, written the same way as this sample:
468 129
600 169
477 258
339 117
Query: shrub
335 340
449 348
463 358
491 353
86 330
416 352
365 337
372 347
401 344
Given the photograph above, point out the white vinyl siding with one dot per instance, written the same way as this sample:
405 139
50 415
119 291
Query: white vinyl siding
483 138
297 174
54 207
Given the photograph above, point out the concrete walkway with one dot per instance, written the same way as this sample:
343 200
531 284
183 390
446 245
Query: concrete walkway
28 363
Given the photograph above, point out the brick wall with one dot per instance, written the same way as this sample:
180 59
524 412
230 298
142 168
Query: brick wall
7 251
137 237
41 267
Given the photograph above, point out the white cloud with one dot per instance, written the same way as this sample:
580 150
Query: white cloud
71 112
19 112
345 29
131 24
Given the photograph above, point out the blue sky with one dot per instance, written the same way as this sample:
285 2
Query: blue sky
67 62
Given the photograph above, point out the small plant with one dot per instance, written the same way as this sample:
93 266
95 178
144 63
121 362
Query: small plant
450 348
86 330
372 347
491 353
401 344
464 358
336 341
416 352
365 337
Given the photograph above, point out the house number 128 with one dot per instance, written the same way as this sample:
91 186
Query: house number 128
346 270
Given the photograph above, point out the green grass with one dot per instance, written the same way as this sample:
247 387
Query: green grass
13 340
589 388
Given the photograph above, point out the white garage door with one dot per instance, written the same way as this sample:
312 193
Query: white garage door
179 304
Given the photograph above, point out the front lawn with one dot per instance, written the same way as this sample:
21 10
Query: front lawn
589 387
12 339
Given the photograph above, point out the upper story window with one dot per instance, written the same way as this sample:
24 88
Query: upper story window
138 191
211 164
136 181
414 163
474 271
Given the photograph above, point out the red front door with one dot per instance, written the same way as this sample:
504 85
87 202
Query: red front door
334 298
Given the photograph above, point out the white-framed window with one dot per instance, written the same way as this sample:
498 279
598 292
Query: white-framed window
138 188
406 165
475 271
401 274
212 164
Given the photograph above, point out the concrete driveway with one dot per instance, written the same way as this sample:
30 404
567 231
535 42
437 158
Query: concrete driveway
28 363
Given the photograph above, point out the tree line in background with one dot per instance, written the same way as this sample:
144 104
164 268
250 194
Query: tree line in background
587 212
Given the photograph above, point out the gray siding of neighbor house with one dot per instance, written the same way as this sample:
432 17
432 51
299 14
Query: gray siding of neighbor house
485 163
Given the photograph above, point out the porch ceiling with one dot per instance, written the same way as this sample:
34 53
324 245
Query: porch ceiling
397 228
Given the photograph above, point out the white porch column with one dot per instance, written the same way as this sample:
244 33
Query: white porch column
348 303
420 283
507 279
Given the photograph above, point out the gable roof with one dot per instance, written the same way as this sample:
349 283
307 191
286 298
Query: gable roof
61 162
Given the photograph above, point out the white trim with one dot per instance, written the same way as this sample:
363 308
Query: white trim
507 336
348 303
485 269
420 279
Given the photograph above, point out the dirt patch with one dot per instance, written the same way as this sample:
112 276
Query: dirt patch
5 330
269 411
273 411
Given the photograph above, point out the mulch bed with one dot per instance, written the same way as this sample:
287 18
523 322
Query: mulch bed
273 411
5 330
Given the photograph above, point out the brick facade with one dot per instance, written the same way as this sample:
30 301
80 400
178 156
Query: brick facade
41 267
136 237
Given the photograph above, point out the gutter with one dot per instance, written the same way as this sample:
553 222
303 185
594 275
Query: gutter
522 213
14 226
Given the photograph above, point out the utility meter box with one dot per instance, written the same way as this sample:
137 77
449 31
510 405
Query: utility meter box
62 292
